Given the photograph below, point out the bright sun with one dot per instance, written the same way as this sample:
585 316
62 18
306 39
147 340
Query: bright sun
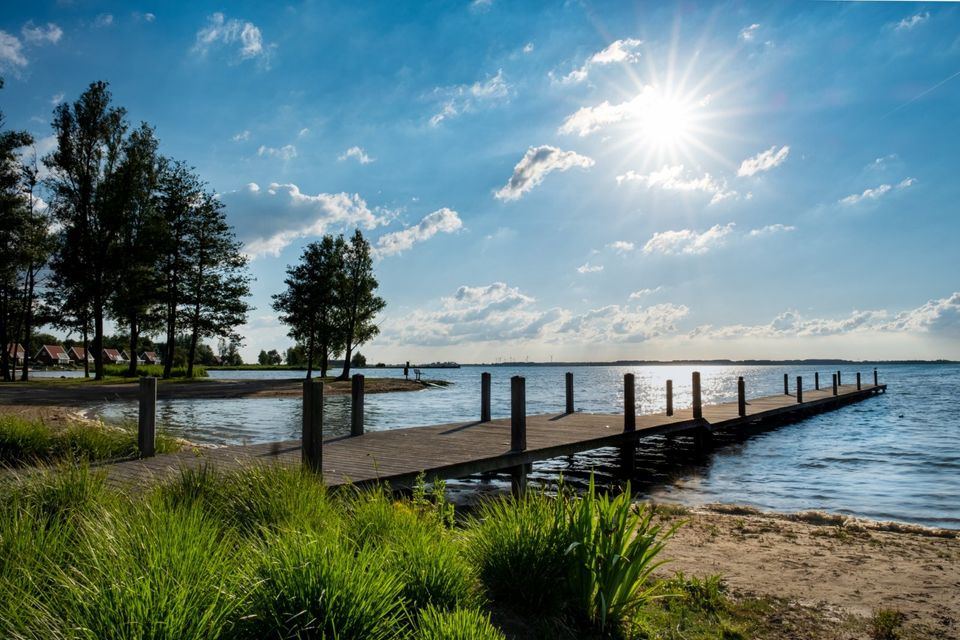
665 122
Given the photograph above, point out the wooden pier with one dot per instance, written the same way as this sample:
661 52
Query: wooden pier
458 450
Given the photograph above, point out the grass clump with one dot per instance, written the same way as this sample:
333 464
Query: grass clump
885 624
153 370
458 624
30 442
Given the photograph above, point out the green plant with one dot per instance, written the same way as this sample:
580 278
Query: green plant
614 548
458 624
153 370
885 624
433 570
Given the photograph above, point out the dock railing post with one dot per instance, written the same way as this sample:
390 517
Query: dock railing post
741 398
147 418
799 389
786 384
518 414
569 387
697 400
311 446
816 381
484 397
839 380
858 381
669 397
629 403
876 382
356 405
834 384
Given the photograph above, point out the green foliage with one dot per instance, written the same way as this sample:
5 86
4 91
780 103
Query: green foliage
885 624
358 360
154 370
26 442
458 624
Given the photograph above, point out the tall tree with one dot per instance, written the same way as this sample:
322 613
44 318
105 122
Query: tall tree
359 303
310 302
217 277
90 134
37 245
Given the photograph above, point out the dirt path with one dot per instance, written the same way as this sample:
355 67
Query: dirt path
828 562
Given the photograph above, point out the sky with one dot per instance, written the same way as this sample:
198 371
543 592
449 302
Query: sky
559 180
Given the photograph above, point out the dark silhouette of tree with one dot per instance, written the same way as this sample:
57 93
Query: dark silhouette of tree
359 304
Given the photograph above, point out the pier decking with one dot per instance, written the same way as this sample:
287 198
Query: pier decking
457 450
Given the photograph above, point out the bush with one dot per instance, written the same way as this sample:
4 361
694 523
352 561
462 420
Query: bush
433 571
459 624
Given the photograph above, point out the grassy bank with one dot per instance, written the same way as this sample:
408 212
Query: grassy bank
155 370
269 553
34 442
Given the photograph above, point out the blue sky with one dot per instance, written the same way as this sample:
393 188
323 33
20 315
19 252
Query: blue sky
559 180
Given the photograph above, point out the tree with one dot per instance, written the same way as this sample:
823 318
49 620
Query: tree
217 279
359 303
262 358
358 360
310 303
229 351
90 135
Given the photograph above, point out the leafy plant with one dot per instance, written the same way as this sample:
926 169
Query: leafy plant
458 624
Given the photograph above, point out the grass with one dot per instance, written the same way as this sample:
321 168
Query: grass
155 370
31 442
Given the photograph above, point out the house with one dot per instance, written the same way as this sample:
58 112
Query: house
52 354
112 356
77 355
17 353
127 358
150 357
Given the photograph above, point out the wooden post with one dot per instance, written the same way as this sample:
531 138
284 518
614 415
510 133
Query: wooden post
839 381
518 414
834 384
786 385
518 479
697 400
484 397
147 418
875 381
356 405
669 397
799 389
741 398
311 445
569 384
629 403
858 381
816 381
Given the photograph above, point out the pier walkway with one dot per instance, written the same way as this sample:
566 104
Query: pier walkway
457 450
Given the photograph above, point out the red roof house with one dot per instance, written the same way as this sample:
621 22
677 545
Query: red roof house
17 353
77 354
52 354
150 357
112 356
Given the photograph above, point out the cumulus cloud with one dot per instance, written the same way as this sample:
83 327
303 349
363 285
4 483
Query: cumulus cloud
688 241
675 178
11 52
586 267
358 153
536 163
621 247
270 219
764 161
616 323
49 33
440 221
876 193
936 316
465 98
913 21
770 229
220 31
618 51
286 152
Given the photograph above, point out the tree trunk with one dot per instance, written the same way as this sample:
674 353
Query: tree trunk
194 338
324 358
5 339
98 337
86 348
346 360
134 336
28 320
171 337
310 343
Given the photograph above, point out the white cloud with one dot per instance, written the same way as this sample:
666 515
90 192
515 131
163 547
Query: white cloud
643 293
621 246
674 178
480 5
242 136
41 34
688 241
271 219
876 192
286 152
358 153
303 132
936 316
466 98
747 34
440 221
618 51
616 323
56 99
586 267
11 52
536 163
587 120
771 229
528 48
103 20
915 20
764 161
220 31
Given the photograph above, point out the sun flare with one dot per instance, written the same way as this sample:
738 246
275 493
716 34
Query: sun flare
665 122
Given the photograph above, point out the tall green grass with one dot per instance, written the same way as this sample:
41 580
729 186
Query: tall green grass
154 370
459 624
31 442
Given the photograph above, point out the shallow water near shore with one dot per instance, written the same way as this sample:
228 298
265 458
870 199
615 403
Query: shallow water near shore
892 457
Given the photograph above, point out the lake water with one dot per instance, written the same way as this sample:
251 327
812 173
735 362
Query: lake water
895 456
